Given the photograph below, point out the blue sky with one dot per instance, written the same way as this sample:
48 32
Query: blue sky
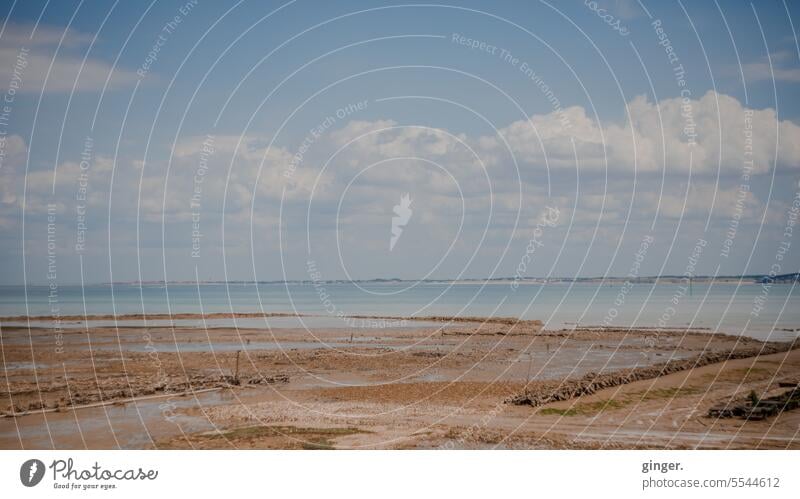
476 136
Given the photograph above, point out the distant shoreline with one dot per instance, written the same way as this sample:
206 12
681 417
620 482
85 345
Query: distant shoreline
672 279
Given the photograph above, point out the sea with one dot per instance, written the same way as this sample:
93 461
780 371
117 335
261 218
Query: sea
750 309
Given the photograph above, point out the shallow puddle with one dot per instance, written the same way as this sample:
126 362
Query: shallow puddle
130 425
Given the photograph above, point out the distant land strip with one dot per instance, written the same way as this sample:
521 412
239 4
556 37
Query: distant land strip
746 278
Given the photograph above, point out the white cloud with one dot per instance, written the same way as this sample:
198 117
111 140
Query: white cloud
678 203
31 65
12 154
656 136
779 70
24 35
388 139
641 142
367 204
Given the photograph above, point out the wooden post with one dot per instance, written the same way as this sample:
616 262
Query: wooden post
530 365
236 376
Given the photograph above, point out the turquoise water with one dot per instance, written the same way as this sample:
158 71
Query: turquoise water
746 309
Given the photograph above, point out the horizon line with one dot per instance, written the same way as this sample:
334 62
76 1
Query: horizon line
766 277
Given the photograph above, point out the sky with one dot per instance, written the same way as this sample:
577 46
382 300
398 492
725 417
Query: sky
369 139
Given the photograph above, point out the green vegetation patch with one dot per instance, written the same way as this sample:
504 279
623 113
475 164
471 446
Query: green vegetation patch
592 408
307 438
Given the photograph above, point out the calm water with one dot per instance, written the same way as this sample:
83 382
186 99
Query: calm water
719 307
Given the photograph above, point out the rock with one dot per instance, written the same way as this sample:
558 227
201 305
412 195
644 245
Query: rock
592 382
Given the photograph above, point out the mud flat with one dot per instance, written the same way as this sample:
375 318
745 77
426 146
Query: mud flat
438 384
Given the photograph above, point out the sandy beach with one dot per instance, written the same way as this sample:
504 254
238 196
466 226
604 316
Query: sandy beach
434 384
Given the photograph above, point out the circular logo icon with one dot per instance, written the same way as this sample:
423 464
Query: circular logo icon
31 472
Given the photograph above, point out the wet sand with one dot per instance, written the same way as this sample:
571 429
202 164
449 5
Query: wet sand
417 386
